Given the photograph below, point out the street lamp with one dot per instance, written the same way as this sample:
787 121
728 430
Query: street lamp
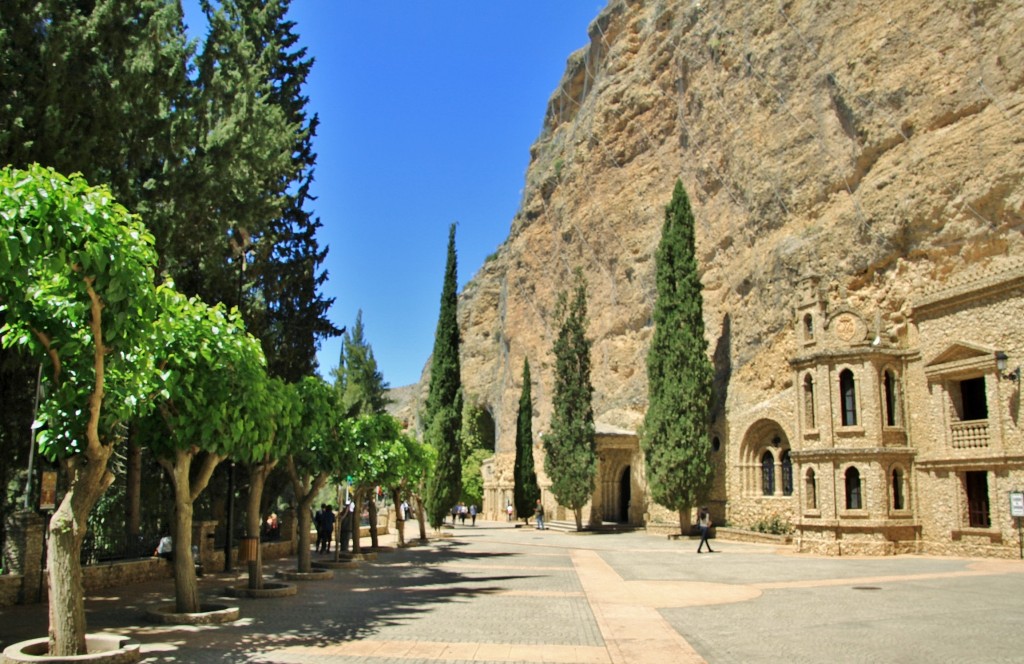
1001 364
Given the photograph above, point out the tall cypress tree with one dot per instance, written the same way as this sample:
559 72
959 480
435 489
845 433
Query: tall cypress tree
525 492
679 374
570 450
443 415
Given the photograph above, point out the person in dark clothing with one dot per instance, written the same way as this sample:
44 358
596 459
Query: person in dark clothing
327 521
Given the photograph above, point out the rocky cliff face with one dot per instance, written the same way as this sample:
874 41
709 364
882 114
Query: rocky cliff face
878 145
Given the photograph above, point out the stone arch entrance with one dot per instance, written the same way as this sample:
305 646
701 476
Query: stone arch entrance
618 494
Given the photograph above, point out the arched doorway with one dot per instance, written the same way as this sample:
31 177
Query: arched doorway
624 495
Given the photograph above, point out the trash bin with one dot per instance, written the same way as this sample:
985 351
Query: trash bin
247 549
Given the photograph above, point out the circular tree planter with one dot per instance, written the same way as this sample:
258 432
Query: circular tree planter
269 589
103 648
209 614
315 575
327 565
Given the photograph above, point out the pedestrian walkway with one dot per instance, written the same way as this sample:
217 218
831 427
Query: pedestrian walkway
496 593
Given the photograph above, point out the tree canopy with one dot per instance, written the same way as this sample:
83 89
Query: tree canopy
526 491
570 450
675 437
76 293
443 415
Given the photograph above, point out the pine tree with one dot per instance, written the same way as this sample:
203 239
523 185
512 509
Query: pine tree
679 374
363 388
525 492
570 452
443 414
289 313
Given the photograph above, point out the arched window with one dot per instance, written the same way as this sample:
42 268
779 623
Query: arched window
768 474
848 394
853 497
898 494
808 327
809 401
892 399
811 489
787 474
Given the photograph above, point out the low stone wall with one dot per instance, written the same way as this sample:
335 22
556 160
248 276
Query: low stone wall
125 572
740 535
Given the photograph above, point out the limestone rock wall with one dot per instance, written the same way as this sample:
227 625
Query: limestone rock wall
879 145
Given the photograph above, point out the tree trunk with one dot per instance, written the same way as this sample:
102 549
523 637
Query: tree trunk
305 493
254 519
87 480
357 518
578 513
684 521
372 507
399 519
421 518
186 589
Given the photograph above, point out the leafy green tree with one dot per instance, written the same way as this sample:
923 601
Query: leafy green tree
213 406
276 423
525 491
321 447
675 438
76 290
443 415
95 88
570 451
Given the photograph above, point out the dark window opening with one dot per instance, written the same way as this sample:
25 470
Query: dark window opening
812 490
974 406
768 474
891 400
853 497
808 327
787 474
977 498
848 394
898 502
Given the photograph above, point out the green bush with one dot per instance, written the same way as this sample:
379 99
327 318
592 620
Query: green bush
773 525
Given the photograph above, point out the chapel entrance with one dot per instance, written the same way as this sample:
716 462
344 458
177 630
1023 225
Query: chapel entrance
624 496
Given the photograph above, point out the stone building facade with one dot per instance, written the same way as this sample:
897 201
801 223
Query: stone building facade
884 440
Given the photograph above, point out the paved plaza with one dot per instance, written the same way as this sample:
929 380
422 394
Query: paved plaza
494 593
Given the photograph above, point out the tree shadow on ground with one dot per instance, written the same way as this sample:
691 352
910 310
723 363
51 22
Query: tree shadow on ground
401 586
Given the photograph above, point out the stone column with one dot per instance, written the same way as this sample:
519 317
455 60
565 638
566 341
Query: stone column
202 536
23 553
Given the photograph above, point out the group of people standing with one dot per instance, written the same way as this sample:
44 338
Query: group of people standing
324 521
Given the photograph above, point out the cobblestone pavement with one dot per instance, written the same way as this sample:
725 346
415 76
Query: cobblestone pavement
493 593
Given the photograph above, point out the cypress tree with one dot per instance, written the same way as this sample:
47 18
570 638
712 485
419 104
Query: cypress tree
679 374
443 414
525 492
570 451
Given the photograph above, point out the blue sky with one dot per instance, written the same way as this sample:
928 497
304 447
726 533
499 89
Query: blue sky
427 113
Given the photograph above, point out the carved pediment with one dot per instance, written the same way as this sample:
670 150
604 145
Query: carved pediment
961 357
